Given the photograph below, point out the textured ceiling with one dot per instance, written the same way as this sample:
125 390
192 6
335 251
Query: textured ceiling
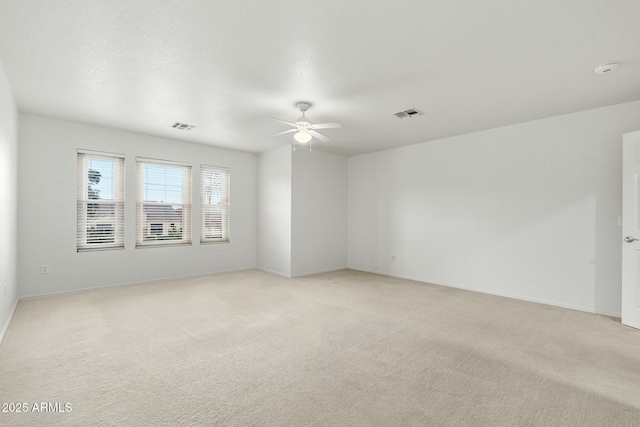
227 67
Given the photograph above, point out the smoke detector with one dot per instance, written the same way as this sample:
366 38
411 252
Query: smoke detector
605 68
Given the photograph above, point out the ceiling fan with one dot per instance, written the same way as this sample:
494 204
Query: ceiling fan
305 131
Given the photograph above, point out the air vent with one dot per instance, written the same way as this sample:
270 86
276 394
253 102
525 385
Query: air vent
407 114
182 126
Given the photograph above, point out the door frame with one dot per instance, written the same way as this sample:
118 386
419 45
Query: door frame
630 307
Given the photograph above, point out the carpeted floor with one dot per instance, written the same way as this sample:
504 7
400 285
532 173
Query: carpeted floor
251 348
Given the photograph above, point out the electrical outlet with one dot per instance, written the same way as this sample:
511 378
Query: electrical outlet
44 269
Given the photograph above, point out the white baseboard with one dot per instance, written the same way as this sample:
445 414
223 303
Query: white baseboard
308 273
311 273
5 328
500 294
142 282
277 273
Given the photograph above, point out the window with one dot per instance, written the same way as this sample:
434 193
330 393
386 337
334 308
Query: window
100 201
214 202
164 203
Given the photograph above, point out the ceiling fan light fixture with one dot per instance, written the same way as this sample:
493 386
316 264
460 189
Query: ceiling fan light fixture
302 136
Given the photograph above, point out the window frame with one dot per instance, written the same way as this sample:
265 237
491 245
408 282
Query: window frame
187 204
83 158
224 207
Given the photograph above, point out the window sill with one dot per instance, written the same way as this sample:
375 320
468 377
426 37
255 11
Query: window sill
213 242
161 245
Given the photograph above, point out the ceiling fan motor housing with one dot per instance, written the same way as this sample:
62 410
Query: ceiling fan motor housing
303 121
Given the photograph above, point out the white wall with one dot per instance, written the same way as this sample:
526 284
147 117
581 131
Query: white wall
274 211
302 212
529 210
47 207
319 212
8 202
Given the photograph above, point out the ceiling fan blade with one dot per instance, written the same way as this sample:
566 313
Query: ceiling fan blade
286 123
327 126
320 136
286 131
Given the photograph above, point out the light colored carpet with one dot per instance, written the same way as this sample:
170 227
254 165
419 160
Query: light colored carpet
250 348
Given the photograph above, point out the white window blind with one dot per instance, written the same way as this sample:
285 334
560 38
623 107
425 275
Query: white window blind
214 203
163 203
100 201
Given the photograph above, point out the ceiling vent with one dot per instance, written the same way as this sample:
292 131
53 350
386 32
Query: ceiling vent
407 114
182 126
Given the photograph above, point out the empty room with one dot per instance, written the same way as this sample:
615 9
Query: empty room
409 213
